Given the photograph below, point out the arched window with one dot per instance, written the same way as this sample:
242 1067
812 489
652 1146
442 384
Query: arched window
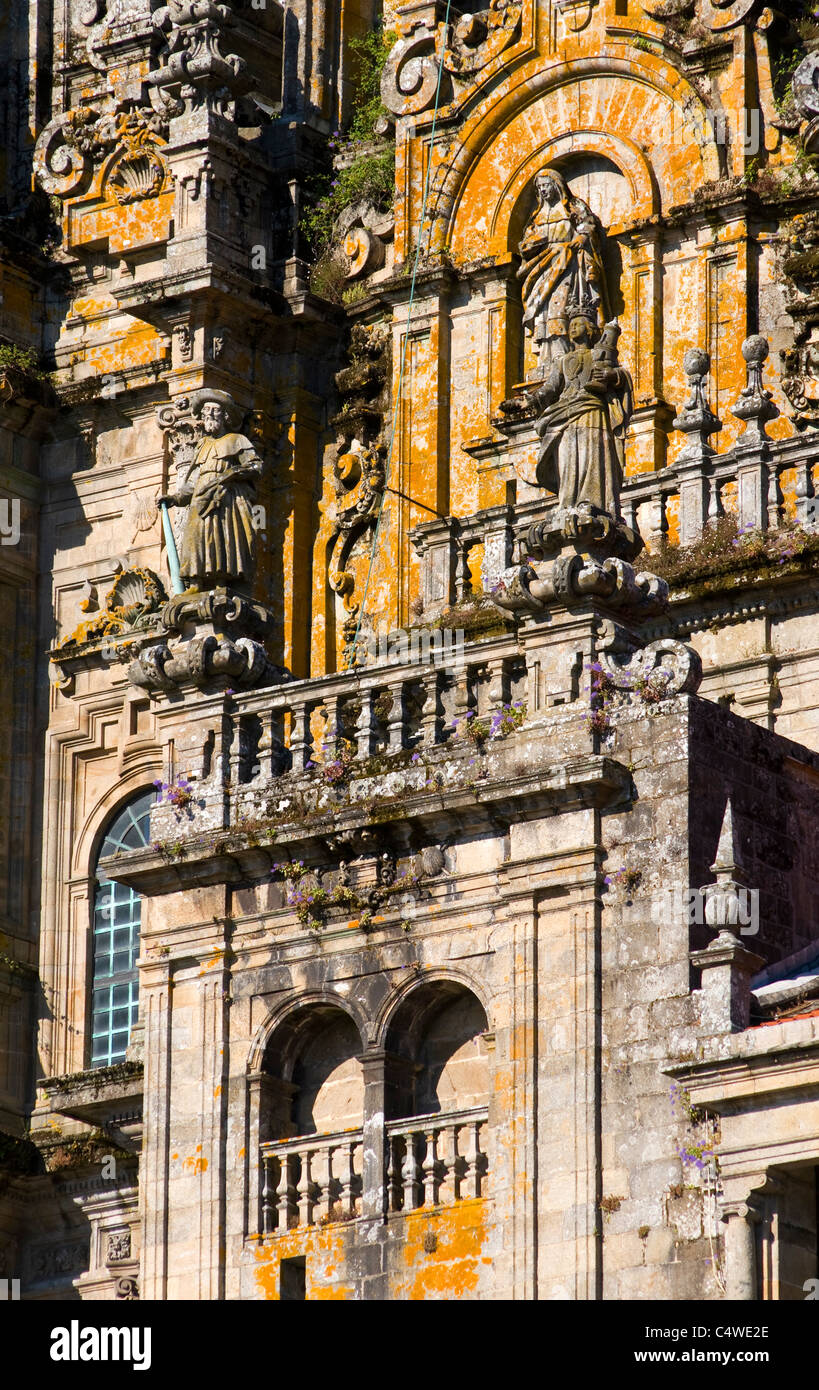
116 940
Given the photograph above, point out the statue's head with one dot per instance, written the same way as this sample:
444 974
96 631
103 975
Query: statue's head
549 188
582 329
213 418
217 411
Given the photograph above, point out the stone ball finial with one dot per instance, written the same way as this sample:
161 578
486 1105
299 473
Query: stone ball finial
755 349
696 362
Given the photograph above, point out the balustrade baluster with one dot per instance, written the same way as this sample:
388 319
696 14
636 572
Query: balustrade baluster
806 507
430 715
332 729
305 1189
429 1167
463 578
395 719
774 499
393 1174
498 683
268 1190
409 1172
471 1180
364 725
328 1190
301 739
714 505
346 1197
285 1193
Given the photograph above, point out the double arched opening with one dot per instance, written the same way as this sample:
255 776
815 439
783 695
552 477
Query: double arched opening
347 1131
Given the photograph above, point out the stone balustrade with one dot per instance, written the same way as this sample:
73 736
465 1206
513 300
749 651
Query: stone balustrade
430 1160
380 710
762 482
310 1180
435 1160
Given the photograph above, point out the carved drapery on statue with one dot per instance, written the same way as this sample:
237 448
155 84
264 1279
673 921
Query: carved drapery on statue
218 544
588 403
561 266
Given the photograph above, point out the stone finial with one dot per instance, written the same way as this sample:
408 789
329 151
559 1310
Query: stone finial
755 405
727 965
722 899
696 419
727 860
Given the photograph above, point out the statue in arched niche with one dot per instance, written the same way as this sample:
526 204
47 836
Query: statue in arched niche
561 265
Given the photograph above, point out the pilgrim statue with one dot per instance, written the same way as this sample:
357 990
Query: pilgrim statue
586 404
218 538
561 264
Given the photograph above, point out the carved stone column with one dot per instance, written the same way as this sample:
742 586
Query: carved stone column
740 1219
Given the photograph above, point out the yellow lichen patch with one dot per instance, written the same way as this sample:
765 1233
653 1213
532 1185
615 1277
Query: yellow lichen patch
451 1269
196 1163
324 1249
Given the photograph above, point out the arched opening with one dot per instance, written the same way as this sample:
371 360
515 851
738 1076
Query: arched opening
115 939
316 1084
440 1060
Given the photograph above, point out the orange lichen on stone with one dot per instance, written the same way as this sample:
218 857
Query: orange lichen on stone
453 1268
196 1164
324 1250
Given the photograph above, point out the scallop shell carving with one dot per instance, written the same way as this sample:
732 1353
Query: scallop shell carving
137 176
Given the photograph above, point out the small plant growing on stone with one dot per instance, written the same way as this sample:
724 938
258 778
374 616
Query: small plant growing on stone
178 794
627 879
601 688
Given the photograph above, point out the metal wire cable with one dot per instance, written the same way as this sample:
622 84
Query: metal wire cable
427 183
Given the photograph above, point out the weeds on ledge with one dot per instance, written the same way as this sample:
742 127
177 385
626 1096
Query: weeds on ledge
724 548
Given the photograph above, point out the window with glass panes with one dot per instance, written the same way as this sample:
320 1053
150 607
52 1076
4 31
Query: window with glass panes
116 940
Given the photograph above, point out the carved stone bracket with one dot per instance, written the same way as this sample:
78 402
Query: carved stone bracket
665 667
573 578
217 632
593 562
194 66
410 79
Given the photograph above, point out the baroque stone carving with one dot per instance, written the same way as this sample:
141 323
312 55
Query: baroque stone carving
74 142
561 266
130 605
800 381
225 647
194 66
587 404
410 79
665 667
56 1261
359 481
127 1289
218 539
805 88
118 1246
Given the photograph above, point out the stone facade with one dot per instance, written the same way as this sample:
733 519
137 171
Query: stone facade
468 947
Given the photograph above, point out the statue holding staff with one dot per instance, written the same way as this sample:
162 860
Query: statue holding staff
218 540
